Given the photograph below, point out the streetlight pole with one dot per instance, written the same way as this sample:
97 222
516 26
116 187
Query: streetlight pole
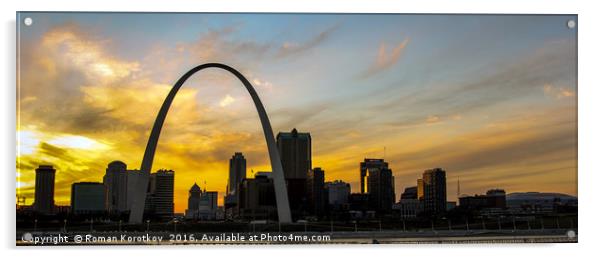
147 225
514 223
65 225
119 225
35 225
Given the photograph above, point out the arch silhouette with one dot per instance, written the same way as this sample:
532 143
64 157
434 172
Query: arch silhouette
137 211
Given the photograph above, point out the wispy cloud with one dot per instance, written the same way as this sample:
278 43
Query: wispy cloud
385 58
294 48
558 92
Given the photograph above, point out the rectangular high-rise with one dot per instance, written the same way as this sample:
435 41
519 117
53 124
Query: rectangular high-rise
316 192
375 173
366 165
161 193
116 184
337 193
295 153
238 172
44 189
435 191
88 198
257 198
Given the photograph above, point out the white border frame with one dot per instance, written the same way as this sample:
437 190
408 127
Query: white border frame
589 128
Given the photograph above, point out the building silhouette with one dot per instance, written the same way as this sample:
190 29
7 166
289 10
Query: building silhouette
435 191
257 198
376 174
44 189
207 205
116 183
88 198
365 166
237 173
338 195
316 192
409 206
295 153
160 203
202 204
493 199
194 197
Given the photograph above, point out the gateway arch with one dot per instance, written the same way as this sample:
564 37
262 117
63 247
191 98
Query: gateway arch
284 212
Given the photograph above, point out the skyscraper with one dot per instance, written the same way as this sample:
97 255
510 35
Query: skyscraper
238 172
257 198
161 193
207 205
366 166
316 192
44 192
115 181
375 173
194 196
295 153
435 191
338 193
88 198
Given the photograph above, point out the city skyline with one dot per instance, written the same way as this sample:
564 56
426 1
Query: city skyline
494 124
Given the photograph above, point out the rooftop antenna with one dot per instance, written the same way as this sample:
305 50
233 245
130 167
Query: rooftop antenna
205 183
385 152
458 190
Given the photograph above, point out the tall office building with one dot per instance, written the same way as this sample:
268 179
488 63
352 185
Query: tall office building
201 204
44 191
365 167
88 198
435 191
375 173
194 197
295 153
160 195
338 194
116 184
316 193
257 198
238 172
208 205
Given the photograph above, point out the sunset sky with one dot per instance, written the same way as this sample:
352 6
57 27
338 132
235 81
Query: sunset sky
490 99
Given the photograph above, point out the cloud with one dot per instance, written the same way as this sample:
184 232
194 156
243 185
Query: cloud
558 92
226 101
68 47
293 48
385 59
500 82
